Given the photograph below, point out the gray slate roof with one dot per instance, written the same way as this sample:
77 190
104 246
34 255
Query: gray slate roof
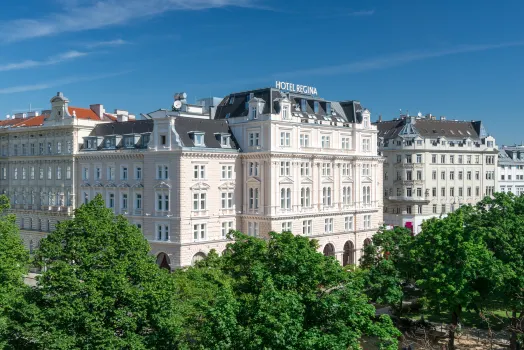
429 128
511 155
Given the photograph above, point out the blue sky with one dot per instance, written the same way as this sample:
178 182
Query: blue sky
461 59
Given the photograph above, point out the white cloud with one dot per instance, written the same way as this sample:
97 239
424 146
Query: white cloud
67 56
98 14
58 83
116 42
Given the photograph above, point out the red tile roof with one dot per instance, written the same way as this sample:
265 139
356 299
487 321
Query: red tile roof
83 113
16 123
110 116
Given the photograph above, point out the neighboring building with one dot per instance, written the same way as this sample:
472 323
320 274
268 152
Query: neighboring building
434 166
308 166
37 163
258 161
511 170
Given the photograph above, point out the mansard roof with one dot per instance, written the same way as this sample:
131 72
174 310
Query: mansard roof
431 128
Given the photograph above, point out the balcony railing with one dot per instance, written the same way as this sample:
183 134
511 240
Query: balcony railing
408 199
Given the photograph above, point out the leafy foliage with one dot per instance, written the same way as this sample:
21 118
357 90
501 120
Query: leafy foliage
281 294
100 289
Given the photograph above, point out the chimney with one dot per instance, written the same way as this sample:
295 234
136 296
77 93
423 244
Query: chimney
442 117
99 110
121 115
380 118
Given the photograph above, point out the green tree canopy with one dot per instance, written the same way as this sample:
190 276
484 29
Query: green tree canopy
282 294
100 290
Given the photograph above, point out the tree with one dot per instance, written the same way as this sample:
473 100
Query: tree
453 266
13 265
500 220
100 289
387 267
282 294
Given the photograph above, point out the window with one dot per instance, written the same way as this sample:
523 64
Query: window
111 201
32 149
490 143
253 168
4 173
138 173
419 175
285 139
253 198
443 191
85 174
468 159
303 105
460 159
305 197
409 176
326 141
254 139
348 223
41 148
328 225
138 201
69 148
452 159
285 198
443 159
468 175
399 158
253 113
111 173
163 140
326 196
419 209
198 139
419 192
285 168
162 172
304 140
199 201
452 191
98 173
469 192
199 172
287 226
408 209
366 194
419 158
434 208
367 221
227 200
477 191
409 192
305 169
68 172
59 147
15 150
124 201
49 173
409 159
59 173
433 158
346 143
434 175
326 169
15 174
162 202
162 232
252 229
346 195
452 175
307 227
366 145
24 149
477 159
460 192
227 171
226 228
460 175
24 175
199 232
366 170
346 170
123 174
434 191
285 113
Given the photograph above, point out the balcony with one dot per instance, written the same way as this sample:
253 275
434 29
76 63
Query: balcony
412 199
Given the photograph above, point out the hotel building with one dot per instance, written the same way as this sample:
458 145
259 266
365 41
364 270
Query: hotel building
434 166
511 170
257 161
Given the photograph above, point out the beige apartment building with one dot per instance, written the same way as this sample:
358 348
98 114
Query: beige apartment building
257 161
433 167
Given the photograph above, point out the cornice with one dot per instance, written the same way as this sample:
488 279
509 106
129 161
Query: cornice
210 155
110 155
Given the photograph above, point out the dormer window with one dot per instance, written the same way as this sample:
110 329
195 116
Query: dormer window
232 100
145 139
90 143
254 113
328 108
110 142
198 139
228 115
129 141
225 140
303 106
315 107
285 113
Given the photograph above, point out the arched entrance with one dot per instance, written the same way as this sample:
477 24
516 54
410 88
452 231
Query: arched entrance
329 250
197 257
367 242
349 254
162 260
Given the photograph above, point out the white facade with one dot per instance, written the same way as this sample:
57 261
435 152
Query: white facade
433 167
511 170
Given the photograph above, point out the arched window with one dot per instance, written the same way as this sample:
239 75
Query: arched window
329 250
163 261
349 254
367 242
197 257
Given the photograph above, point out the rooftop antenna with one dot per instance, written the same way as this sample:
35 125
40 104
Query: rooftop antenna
25 110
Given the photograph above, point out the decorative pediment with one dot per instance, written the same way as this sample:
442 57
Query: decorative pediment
286 180
138 185
230 185
253 180
124 185
366 179
306 180
98 184
85 184
200 186
162 186
327 179
111 184
347 179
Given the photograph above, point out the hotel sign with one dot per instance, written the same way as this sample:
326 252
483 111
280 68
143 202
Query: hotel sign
300 89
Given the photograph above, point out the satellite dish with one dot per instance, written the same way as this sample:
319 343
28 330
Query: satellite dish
177 104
